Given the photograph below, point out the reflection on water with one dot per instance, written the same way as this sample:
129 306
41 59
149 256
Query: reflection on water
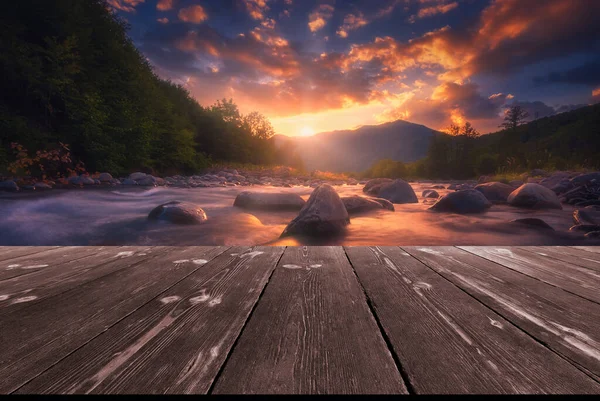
118 217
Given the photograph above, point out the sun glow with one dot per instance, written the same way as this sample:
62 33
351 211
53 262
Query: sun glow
307 131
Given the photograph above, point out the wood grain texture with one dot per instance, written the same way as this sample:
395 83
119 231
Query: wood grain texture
11 252
48 331
311 333
447 341
592 249
177 342
564 322
575 279
61 277
570 255
31 263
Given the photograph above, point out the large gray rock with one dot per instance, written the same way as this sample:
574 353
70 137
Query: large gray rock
105 177
323 214
269 201
372 186
585 178
81 180
533 223
430 193
8 186
178 213
495 192
40 186
397 191
462 202
137 176
359 204
534 196
147 181
586 217
129 181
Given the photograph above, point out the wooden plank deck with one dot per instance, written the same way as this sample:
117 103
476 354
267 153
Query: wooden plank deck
309 320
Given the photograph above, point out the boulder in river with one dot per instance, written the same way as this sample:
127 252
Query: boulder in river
533 223
397 191
81 180
359 204
40 186
269 201
534 196
462 202
323 214
128 181
372 186
586 217
430 193
585 178
8 186
105 177
178 213
137 176
495 192
147 181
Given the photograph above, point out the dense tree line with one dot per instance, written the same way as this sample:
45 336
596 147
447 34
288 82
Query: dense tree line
71 75
568 140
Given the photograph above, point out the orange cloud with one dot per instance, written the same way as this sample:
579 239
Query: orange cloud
163 20
596 92
319 17
351 22
256 8
164 5
124 5
194 14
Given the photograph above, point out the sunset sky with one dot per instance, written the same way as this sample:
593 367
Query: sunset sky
313 66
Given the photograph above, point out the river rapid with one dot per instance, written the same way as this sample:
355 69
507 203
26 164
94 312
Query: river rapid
118 216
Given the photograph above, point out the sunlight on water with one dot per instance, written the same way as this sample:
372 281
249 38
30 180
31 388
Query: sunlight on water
119 217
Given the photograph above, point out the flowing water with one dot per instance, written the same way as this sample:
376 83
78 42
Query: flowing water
118 216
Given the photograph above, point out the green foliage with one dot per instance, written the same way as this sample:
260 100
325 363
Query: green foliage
75 77
486 164
567 141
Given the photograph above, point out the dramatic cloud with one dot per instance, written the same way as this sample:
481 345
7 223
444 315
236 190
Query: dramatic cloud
432 10
194 14
256 8
124 5
164 5
470 67
319 17
351 22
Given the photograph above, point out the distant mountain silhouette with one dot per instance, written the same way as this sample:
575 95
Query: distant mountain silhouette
356 150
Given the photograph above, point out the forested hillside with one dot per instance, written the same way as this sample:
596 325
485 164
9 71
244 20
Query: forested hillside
71 75
568 140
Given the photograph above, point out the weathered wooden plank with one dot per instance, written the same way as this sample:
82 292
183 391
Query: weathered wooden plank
175 343
448 342
564 322
593 249
28 264
569 255
11 252
311 332
575 279
21 291
49 330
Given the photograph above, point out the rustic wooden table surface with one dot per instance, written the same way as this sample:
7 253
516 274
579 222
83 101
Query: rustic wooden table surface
299 320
